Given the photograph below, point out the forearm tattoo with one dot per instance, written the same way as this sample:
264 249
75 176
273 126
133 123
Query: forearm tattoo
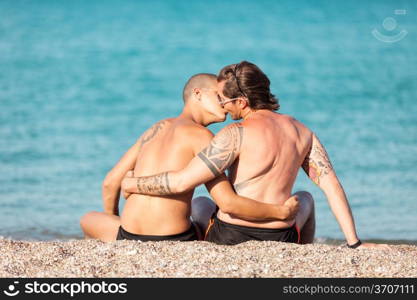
223 149
317 163
154 185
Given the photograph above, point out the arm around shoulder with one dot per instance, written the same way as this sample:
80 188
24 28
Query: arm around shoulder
206 165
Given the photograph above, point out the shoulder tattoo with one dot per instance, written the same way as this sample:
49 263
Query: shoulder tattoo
223 149
151 133
317 163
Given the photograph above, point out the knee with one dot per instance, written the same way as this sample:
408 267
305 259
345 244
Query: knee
202 208
85 219
201 199
203 202
306 197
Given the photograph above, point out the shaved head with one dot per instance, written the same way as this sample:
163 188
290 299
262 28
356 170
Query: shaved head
202 80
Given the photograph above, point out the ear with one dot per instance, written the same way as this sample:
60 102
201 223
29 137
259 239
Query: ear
243 102
197 93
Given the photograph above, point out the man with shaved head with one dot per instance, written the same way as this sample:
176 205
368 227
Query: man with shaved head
171 144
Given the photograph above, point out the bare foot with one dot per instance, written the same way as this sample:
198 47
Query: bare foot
374 246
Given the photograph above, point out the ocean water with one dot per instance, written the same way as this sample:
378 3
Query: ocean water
81 80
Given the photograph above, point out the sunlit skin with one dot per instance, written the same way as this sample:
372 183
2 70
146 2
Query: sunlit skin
263 154
169 145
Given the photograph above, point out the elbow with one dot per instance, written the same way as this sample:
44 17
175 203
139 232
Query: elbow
227 210
225 205
108 184
178 186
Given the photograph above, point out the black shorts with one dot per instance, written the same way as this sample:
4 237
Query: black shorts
223 233
189 235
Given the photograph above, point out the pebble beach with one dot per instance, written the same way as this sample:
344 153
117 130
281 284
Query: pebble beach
93 258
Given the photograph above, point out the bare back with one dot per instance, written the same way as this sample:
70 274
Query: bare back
167 145
273 148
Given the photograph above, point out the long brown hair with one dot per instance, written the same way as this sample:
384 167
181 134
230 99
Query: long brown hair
245 79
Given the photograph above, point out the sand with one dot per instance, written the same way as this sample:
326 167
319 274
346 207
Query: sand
92 258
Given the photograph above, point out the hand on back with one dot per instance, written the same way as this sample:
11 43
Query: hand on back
292 205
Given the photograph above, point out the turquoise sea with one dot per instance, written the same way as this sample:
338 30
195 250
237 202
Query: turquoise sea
81 80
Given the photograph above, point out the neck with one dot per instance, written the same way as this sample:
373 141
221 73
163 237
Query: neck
247 112
193 115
